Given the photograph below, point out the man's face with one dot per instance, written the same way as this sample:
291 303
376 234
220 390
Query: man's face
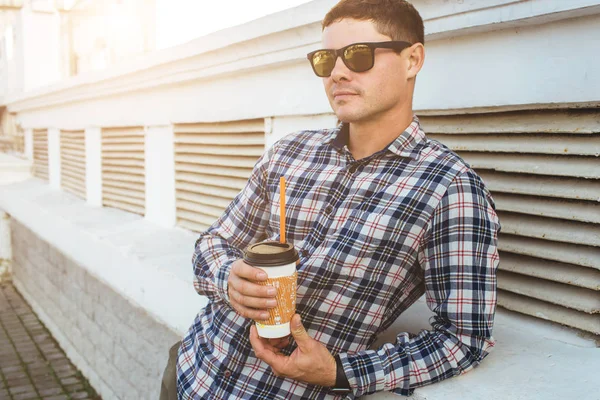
364 96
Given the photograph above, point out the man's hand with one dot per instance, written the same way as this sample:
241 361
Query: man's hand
311 362
249 299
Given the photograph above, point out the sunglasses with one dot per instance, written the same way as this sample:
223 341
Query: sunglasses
358 57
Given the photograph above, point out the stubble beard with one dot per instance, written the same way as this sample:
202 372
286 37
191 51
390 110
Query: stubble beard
354 114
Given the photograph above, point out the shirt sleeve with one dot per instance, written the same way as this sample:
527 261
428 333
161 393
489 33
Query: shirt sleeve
243 222
459 258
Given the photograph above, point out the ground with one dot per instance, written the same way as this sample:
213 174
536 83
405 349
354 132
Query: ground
32 364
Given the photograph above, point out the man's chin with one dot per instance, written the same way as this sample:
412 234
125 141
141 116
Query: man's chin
347 117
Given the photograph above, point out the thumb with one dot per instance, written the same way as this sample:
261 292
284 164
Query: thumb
299 333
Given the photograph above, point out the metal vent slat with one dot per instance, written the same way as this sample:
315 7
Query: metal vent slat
138 187
214 170
201 219
123 162
248 151
123 169
549 311
120 140
40 153
113 170
238 162
587 145
551 229
136 209
123 147
242 126
219 181
212 164
214 212
213 191
535 185
231 139
123 192
202 199
121 176
583 211
551 270
73 174
582 167
568 122
576 254
543 169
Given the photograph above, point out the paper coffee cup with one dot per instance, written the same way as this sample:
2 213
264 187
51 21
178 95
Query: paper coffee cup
278 260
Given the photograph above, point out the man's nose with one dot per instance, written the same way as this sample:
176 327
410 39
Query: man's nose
340 71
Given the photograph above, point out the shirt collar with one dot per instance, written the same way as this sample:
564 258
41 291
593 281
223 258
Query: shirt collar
407 144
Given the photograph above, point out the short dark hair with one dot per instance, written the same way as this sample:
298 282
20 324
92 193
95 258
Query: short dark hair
397 19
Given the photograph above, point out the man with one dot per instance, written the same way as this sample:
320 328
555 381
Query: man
379 214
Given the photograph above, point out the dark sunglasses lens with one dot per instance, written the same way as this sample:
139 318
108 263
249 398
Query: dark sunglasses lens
359 58
323 63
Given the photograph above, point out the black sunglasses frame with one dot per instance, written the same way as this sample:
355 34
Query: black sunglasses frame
391 44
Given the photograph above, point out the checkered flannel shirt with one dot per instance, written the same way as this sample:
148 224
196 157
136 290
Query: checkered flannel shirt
373 235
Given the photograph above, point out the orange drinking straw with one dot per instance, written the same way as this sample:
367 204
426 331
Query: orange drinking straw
282 209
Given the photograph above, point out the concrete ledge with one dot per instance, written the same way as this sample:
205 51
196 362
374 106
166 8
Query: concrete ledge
150 267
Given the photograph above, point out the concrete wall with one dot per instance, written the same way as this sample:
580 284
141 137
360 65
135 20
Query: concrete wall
117 345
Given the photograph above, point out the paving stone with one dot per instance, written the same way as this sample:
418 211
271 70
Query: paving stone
69 381
64 371
15 376
14 390
51 391
80 395
59 397
26 396
15 368
73 388
47 383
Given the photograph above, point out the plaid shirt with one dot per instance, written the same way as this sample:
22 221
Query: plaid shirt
373 235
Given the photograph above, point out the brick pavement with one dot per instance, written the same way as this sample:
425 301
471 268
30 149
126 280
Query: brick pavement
32 365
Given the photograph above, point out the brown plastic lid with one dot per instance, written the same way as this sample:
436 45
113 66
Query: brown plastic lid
270 254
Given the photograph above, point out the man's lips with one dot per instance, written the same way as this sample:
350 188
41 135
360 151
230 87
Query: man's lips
343 93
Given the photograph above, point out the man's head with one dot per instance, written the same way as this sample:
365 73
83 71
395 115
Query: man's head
397 19
356 94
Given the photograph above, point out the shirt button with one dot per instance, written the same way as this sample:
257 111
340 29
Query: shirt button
328 209
353 169
227 373
304 253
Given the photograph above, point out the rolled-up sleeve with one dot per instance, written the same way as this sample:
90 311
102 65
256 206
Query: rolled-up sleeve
459 258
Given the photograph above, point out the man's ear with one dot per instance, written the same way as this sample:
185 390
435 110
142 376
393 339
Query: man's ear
416 58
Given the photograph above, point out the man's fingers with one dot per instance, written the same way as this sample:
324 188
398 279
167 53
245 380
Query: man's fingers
266 352
240 268
248 312
280 343
299 333
260 303
248 288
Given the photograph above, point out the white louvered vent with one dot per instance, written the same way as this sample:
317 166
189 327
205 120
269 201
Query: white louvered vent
212 164
543 169
40 153
123 169
72 162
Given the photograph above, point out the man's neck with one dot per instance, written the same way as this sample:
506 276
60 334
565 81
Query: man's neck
369 137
